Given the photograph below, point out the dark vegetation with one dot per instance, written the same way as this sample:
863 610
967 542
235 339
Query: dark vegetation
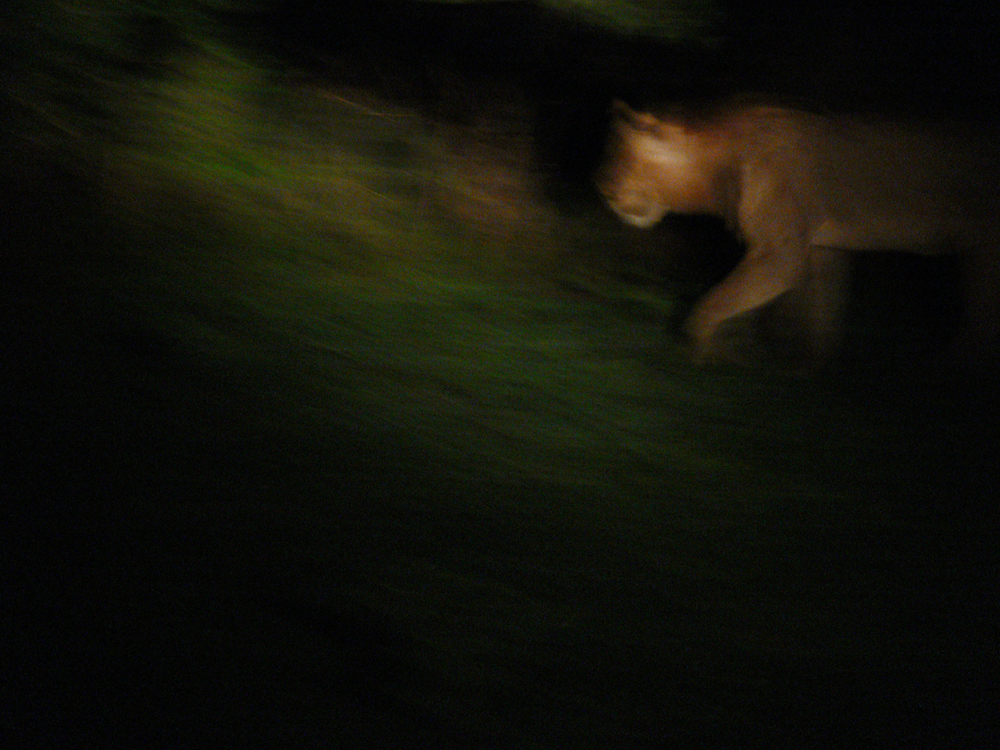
338 413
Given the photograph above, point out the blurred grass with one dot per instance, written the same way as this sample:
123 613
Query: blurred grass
309 422
678 20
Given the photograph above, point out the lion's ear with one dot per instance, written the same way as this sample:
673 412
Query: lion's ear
625 115
620 109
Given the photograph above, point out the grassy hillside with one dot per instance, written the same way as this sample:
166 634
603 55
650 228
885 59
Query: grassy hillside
329 427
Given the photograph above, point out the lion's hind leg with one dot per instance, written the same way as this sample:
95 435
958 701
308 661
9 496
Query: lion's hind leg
978 342
825 295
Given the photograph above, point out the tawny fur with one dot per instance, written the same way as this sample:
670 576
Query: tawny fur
800 189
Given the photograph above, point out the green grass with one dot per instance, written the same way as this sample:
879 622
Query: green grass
303 458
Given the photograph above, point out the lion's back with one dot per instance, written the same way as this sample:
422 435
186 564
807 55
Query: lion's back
885 184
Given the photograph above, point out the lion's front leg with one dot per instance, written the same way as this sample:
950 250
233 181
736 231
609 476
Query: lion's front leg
756 281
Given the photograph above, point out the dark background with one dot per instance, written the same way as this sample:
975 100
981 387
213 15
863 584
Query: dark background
923 60
250 498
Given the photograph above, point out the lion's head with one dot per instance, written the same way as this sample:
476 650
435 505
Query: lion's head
653 166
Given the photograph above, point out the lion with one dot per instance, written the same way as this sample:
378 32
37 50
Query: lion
801 190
